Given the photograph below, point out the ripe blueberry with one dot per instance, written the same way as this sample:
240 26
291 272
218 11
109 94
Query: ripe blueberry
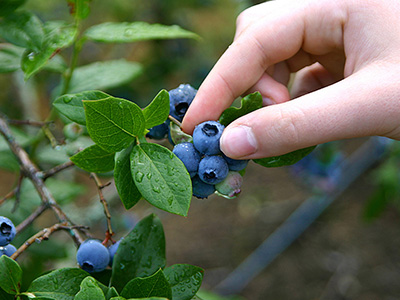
236 164
180 100
93 256
158 132
213 169
206 137
113 249
7 250
7 231
230 186
189 156
201 189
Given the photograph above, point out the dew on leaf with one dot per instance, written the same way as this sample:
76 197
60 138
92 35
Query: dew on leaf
139 176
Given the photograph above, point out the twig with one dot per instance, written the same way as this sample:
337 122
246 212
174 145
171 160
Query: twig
44 234
56 169
30 123
17 192
100 186
29 220
175 121
32 172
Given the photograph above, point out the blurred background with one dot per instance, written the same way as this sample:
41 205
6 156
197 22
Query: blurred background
342 239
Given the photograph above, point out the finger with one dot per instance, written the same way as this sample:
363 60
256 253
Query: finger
359 105
310 79
266 43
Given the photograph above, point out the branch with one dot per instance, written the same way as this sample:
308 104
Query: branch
29 220
32 172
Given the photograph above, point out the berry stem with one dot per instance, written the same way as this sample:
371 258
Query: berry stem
175 121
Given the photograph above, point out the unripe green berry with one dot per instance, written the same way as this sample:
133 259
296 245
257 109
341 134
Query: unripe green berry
230 186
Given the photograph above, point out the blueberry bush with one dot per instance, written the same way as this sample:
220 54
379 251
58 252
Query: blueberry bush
103 134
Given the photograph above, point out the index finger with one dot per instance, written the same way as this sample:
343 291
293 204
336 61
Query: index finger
276 37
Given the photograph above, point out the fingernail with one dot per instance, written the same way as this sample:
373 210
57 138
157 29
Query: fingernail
238 141
268 101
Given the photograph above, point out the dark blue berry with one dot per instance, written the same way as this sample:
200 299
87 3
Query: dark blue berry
180 100
201 189
93 256
158 132
7 250
213 169
206 137
7 231
189 156
236 164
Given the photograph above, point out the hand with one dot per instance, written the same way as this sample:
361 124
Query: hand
347 58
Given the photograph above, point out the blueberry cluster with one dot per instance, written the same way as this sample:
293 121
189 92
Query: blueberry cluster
7 234
93 256
208 167
211 171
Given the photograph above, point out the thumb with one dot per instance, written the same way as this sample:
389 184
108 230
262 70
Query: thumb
361 105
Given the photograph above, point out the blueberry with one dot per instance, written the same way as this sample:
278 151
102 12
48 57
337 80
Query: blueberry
236 164
206 137
180 100
189 156
158 132
201 189
113 249
213 169
7 250
93 256
7 231
230 186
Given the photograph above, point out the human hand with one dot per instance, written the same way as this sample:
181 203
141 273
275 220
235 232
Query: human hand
347 58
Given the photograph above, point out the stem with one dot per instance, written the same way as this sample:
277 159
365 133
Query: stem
57 169
175 121
29 220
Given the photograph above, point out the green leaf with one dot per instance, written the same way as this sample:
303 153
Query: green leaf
8 6
153 286
10 58
177 134
111 293
285 159
136 31
58 35
113 123
185 280
249 103
104 75
61 284
94 159
71 105
80 8
161 178
90 290
6 296
140 253
127 190
10 275
23 29
158 110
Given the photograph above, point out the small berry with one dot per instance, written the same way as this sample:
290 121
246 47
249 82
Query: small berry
213 169
189 156
230 186
92 256
7 231
158 132
206 137
113 249
201 189
72 131
236 164
8 250
180 100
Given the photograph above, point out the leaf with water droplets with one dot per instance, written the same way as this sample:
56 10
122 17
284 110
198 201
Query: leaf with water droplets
166 171
140 253
94 159
113 123
10 275
89 290
185 280
126 187
136 31
71 105
61 284
158 110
